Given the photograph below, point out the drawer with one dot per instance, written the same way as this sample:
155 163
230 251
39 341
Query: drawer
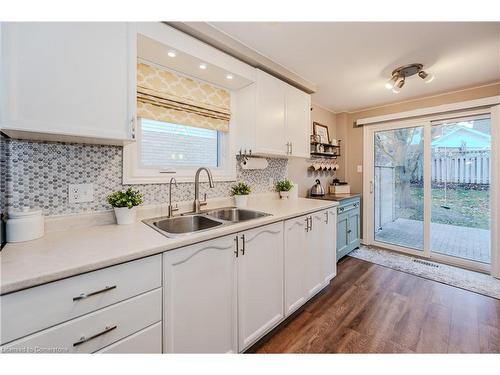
348 207
31 310
143 342
96 330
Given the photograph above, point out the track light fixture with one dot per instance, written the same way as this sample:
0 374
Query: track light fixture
399 75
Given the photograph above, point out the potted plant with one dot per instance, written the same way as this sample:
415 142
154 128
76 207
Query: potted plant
240 193
124 203
284 187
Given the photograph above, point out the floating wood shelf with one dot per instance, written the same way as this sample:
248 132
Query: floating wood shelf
324 155
325 144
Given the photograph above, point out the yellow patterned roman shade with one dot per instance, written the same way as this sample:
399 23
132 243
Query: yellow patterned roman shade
165 96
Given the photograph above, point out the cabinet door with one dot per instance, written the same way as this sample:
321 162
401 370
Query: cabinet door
353 229
316 241
67 78
199 312
342 235
295 256
298 122
270 131
260 282
330 245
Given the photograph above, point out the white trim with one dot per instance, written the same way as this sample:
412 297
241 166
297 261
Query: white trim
427 130
495 191
134 174
458 106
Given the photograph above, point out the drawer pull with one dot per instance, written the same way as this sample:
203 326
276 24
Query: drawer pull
84 339
85 295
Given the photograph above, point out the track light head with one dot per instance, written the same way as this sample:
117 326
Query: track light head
389 85
426 77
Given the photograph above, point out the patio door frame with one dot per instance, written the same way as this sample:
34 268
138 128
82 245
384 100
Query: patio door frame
426 123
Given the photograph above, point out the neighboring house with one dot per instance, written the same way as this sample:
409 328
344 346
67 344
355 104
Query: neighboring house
463 138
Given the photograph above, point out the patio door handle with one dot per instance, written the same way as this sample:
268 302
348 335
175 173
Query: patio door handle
371 187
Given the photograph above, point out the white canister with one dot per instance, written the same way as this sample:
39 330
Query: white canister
25 225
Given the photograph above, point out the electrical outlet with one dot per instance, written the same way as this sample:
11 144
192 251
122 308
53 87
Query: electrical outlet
360 169
78 193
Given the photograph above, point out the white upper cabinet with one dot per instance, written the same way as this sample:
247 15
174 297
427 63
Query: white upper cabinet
273 118
298 122
67 79
270 130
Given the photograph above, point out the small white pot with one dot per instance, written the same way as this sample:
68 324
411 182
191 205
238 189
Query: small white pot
284 194
125 215
240 200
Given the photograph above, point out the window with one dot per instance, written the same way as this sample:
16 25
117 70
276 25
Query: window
163 150
166 145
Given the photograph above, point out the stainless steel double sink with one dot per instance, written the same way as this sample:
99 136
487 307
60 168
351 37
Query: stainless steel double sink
190 223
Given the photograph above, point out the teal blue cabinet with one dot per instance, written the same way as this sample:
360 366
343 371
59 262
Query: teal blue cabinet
348 226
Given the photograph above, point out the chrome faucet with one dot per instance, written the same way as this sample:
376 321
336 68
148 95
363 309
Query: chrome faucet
197 204
170 209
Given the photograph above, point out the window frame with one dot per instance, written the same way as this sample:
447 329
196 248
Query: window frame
134 174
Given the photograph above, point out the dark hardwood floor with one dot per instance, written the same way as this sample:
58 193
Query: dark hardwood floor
368 308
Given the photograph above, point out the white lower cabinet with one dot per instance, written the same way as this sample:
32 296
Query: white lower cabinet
96 330
309 256
329 245
295 254
147 341
260 282
224 289
199 305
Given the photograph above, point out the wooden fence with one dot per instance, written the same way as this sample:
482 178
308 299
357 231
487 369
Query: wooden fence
468 167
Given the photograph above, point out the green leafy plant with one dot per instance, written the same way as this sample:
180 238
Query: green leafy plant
284 185
240 189
128 198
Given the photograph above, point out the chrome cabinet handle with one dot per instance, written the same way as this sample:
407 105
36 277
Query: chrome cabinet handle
243 247
326 214
87 295
310 223
236 252
307 224
84 339
291 148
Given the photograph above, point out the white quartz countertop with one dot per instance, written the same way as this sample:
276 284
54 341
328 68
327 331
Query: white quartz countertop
68 253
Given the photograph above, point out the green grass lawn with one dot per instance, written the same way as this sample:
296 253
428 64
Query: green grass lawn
468 208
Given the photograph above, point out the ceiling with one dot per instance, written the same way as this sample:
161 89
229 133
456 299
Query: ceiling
350 61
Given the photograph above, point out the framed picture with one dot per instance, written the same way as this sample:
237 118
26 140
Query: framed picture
322 131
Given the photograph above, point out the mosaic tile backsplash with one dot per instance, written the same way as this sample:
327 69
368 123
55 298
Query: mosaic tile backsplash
37 174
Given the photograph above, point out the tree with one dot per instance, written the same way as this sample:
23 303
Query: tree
401 149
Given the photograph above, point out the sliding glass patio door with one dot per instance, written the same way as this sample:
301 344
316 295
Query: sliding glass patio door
427 188
460 188
397 183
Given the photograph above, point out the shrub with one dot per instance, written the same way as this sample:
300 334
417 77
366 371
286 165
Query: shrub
284 185
128 198
240 189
